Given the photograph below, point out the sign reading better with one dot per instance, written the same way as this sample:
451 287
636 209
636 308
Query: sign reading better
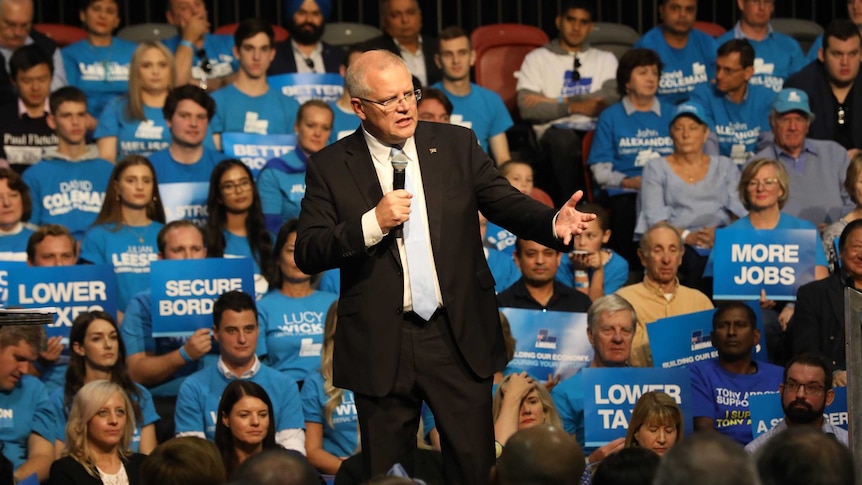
255 150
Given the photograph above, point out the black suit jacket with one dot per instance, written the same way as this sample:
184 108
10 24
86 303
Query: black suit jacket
429 49
285 63
818 321
458 179
67 471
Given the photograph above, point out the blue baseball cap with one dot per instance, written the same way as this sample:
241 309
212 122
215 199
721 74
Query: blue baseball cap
791 100
691 109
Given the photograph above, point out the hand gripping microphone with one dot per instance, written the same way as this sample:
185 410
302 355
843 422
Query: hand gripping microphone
399 169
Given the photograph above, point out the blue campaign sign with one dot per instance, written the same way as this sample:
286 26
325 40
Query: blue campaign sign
7 267
187 200
778 261
610 394
302 87
255 150
766 411
72 289
685 339
549 342
183 303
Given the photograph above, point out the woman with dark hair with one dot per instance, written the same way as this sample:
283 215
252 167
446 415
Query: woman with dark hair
124 233
97 352
245 424
291 315
235 227
15 208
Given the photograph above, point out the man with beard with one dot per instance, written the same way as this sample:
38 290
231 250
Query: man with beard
734 373
805 393
303 52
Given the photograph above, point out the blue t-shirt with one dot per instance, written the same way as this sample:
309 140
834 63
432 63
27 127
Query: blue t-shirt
341 438
13 247
723 396
129 250
482 110
281 191
291 332
503 269
268 114
238 247
24 410
814 49
169 171
148 409
102 72
777 56
330 281
685 68
343 123
568 397
499 238
219 51
134 137
68 193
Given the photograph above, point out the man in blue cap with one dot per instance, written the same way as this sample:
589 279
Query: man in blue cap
303 52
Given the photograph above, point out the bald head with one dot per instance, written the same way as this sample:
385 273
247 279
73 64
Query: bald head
356 79
542 454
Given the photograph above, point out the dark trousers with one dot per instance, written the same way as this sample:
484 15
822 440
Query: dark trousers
430 369
562 163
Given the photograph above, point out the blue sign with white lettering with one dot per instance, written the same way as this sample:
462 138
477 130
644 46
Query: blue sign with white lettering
685 339
7 267
72 289
610 395
302 87
255 150
184 291
548 342
766 411
186 200
778 261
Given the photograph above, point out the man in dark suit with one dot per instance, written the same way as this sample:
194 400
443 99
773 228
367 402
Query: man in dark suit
418 318
401 21
305 20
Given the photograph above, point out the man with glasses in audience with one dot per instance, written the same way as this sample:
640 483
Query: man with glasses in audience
201 58
805 393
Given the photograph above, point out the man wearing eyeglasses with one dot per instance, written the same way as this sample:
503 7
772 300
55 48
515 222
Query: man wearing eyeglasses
303 52
805 393
201 58
417 316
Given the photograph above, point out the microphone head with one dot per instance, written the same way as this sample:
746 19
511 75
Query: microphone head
399 162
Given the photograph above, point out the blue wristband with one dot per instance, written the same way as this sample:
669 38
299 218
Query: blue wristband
188 44
185 355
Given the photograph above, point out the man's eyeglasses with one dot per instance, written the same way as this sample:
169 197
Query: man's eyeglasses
810 389
206 64
576 75
392 103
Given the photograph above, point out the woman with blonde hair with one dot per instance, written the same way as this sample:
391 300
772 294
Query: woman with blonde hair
98 432
656 423
521 402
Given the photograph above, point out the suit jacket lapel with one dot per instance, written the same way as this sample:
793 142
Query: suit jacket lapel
432 183
836 298
358 162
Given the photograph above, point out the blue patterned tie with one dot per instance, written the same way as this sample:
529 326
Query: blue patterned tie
418 254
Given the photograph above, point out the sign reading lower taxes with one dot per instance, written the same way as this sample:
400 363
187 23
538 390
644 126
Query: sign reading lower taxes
187 200
748 261
255 150
610 395
184 291
7 267
766 411
72 289
302 87
549 342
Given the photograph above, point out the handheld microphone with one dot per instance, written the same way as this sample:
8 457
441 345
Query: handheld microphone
399 175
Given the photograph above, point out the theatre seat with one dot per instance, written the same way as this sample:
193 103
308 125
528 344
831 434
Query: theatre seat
349 33
62 34
804 31
615 38
145 32
710 28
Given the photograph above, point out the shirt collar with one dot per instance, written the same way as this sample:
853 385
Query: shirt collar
318 48
22 110
739 34
398 44
807 147
655 288
223 370
380 151
630 107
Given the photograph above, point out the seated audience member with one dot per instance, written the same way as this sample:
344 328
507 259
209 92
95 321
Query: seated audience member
629 134
734 373
521 402
707 459
99 64
830 83
24 119
188 111
502 266
660 295
520 174
184 461
124 233
778 55
738 109
203 59
805 393
236 330
69 183
629 466
539 454
563 86
434 106
98 439
610 330
330 436
537 289
817 165
245 425
98 353
690 190
291 343
235 227
281 183
818 321
162 363
475 107
15 208
687 53
804 456
16 31
303 52
854 13
134 124
602 270
27 425
656 423
248 105
853 186
345 120
276 467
